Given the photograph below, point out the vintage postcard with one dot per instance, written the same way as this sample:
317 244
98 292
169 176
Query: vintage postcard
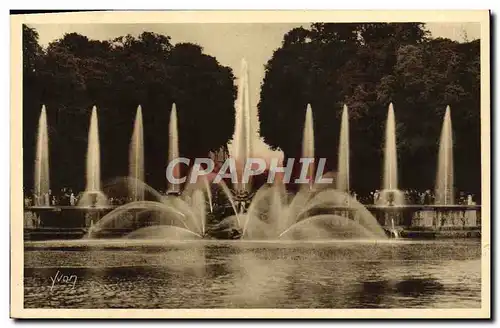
250 164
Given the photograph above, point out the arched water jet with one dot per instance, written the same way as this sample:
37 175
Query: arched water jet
110 219
328 227
271 213
208 192
167 232
124 187
199 205
229 196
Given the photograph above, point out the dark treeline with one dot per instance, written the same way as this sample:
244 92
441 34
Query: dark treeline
74 73
367 66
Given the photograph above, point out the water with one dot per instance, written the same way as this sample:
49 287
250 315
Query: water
343 159
42 181
93 155
173 148
390 154
179 216
215 274
390 194
136 156
242 139
444 178
93 194
319 213
308 142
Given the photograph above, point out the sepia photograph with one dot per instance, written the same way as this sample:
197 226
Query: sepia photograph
317 164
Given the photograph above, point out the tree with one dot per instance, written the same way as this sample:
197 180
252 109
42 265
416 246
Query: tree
32 57
367 66
76 73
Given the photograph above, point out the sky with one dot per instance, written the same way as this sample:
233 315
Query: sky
229 43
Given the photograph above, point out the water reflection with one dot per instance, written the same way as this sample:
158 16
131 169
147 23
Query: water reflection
254 275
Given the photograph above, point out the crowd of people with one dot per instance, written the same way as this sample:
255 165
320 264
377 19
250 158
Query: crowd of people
414 197
67 197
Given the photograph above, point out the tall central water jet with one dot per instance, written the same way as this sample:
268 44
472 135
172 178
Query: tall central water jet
390 154
173 150
136 157
93 155
41 182
93 195
444 178
243 128
308 143
390 194
343 157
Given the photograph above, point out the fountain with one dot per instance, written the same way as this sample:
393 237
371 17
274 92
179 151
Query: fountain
136 156
343 158
314 213
242 140
308 147
42 182
93 195
444 177
173 150
317 211
174 216
390 194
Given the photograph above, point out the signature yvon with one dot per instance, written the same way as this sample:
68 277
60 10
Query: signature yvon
61 278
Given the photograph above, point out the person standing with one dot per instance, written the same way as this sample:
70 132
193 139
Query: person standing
72 199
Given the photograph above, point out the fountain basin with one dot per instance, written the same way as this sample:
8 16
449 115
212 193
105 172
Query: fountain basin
412 221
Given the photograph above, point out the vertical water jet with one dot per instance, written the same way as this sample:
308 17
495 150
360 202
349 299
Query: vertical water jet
343 155
242 148
390 194
173 150
390 153
93 195
93 155
308 143
444 178
42 182
136 157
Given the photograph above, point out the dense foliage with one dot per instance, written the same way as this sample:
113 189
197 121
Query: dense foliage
367 66
74 73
